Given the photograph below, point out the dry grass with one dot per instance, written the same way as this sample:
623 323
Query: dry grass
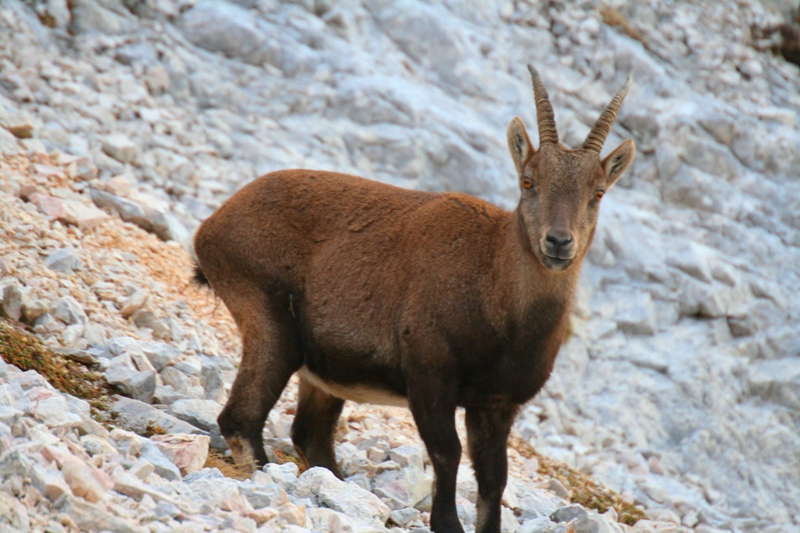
217 459
582 488
616 19
27 352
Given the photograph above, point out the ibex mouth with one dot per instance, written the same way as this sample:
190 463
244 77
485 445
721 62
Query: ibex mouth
556 263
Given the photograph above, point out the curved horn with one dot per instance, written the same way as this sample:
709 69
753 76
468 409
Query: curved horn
597 137
544 110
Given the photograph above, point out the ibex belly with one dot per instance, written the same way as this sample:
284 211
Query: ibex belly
355 392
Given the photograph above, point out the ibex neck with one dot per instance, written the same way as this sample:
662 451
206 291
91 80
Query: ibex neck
533 283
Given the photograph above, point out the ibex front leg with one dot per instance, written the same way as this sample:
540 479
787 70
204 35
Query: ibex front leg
433 405
487 437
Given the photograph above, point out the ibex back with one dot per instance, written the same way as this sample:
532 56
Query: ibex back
378 294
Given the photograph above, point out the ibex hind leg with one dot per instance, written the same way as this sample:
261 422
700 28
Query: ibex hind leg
270 356
315 425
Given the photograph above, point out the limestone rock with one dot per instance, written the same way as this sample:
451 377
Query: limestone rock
64 260
188 452
200 413
335 494
140 385
121 148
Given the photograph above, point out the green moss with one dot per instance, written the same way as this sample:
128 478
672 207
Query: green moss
582 488
26 351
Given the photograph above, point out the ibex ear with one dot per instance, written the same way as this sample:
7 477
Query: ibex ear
618 161
519 144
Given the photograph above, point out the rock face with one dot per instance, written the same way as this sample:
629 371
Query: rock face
678 386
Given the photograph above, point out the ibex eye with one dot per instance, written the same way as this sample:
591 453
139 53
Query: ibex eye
527 183
599 195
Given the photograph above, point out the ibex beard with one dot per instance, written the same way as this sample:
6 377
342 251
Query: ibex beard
373 293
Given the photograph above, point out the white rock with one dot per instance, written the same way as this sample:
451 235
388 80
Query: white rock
82 215
227 28
11 302
63 260
121 148
83 479
50 483
68 311
188 452
200 413
347 498
132 383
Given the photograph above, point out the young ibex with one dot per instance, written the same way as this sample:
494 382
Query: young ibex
378 294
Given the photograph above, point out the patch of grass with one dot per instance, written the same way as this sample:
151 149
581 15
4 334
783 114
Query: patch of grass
27 352
151 430
616 19
216 459
284 457
226 465
582 488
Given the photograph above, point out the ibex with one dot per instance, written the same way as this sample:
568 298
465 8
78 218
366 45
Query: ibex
378 294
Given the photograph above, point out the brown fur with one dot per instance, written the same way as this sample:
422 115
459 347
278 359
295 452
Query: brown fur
438 300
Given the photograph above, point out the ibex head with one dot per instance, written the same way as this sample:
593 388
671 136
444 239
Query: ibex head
561 188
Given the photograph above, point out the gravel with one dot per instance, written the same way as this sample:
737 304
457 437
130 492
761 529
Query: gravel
124 124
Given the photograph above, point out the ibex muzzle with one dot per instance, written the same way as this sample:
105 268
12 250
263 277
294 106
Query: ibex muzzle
379 294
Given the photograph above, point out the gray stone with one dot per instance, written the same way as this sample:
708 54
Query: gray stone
407 455
48 325
166 395
9 415
11 302
121 148
213 380
33 308
146 318
134 302
402 517
567 514
82 215
68 311
329 520
124 345
347 498
140 385
15 461
52 411
94 516
228 29
148 218
636 314
284 475
160 354
175 379
166 510
8 143
777 381
211 488
142 418
261 496
161 464
64 260
199 413
50 483
539 524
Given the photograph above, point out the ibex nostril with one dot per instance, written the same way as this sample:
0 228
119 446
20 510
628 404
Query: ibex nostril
559 241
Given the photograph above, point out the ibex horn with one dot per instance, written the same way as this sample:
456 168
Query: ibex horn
597 137
544 110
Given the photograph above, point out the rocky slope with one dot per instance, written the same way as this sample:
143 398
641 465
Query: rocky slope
679 384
